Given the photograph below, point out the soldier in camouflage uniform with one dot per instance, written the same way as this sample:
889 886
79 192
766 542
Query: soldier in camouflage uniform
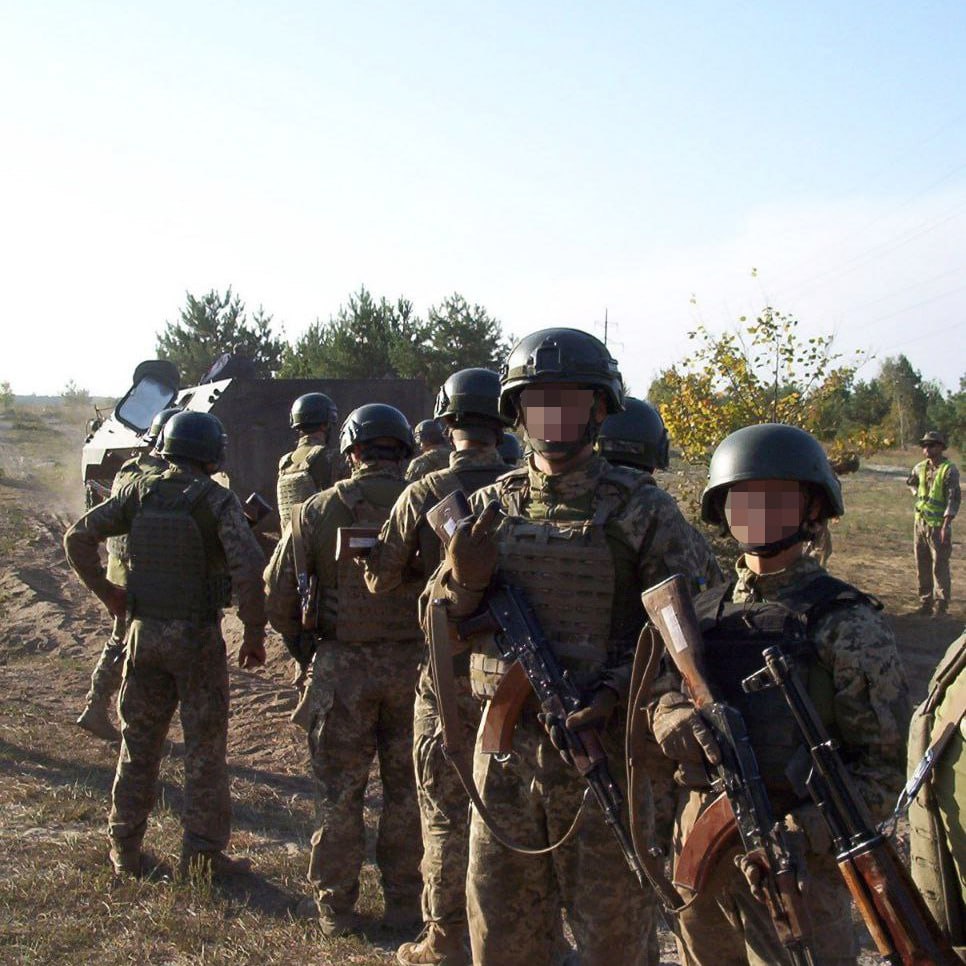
468 406
364 671
308 469
772 485
189 549
434 450
582 538
106 678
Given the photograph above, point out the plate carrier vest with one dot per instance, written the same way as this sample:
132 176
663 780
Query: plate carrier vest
301 474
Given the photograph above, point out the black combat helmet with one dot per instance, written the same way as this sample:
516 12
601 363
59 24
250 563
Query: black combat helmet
312 410
510 449
771 451
375 420
158 423
635 437
470 392
559 356
430 432
194 436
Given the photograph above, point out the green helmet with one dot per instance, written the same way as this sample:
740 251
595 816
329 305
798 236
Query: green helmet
428 431
635 437
559 356
153 434
313 409
470 392
372 421
510 449
194 436
770 451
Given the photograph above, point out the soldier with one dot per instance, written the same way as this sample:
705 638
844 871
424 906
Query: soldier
468 406
434 450
106 678
189 549
771 485
308 468
364 671
937 838
935 482
580 537
511 449
635 437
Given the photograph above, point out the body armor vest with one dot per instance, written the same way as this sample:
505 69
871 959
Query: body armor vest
301 474
361 617
177 564
568 573
117 554
735 634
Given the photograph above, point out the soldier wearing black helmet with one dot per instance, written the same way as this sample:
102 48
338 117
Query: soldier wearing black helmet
309 467
365 655
511 449
580 537
771 486
106 677
434 449
190 550
635 437
468 407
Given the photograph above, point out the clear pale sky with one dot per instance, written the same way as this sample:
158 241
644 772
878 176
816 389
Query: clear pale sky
548 160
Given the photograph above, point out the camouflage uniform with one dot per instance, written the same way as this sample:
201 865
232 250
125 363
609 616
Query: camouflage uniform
172 662
443 803
933 554
869 712
937 838
308 469
637 537
433 459
360 703
106 677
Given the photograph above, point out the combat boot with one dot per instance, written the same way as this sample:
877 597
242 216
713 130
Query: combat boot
95 720
923 610
217 864
437 945
125 861
941 608
334 924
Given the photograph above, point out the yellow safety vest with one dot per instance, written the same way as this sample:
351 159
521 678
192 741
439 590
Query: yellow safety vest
931 500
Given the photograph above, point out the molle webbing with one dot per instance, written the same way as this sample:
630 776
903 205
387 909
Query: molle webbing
299 478
361 617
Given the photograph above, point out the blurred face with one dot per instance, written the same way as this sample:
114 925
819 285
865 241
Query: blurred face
932 450
556 414
764 511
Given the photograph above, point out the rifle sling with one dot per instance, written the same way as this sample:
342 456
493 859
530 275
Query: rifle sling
441 668
942 733
298 544
647 659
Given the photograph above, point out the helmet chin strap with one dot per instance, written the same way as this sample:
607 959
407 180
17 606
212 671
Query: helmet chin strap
776 546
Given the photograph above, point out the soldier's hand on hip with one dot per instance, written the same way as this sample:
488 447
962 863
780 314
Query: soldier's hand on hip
473 551
252 651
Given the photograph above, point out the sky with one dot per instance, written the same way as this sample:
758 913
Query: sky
666 164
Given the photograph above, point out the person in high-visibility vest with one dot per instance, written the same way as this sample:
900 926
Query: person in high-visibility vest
935 482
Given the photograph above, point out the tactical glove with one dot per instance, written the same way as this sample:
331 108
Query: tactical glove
472 553
596 713
252 651
680 731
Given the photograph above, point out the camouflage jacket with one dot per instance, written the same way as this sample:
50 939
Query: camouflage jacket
393 558
428 462
649 523
322 516
141 465
113 517
870 702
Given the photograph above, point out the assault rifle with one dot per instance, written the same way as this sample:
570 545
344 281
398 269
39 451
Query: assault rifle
534 669
669 606
900 923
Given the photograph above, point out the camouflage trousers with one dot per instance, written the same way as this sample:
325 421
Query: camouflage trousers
443 803
107 674
727 926
514 900
360 706
932 563
172 663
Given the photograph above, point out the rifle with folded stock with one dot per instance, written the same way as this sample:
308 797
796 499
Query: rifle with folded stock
893 909
744 796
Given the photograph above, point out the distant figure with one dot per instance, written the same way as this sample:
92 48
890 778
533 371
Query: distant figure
511 449
935 482
434 450
308 468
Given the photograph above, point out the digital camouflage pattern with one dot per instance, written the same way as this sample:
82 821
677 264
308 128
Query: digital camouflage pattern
360 704
869 707
514 899
443 803
434 459
170 663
